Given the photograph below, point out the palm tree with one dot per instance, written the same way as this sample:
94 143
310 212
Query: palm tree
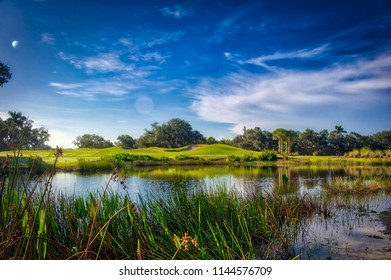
280 134
337 140
17 118
290 136
339 129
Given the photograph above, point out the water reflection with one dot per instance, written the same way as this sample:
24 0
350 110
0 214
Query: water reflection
351 228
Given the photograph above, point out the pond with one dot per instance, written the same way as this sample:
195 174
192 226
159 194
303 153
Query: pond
353 227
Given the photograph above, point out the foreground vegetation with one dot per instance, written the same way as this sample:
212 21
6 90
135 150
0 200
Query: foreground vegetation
180 224
204 224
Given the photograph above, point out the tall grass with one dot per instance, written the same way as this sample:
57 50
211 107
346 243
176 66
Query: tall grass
24 210
204 224
360 185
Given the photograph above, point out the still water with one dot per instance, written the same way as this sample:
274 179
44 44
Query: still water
355 227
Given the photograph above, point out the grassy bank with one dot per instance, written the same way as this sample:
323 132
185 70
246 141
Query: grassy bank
71 158
105 159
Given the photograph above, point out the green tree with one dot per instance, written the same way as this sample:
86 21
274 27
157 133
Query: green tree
17 132
307 143
279 134
337 140
254 139
173 134
381 140
17 119
125 141
5 74
211 140
310 142
290 137
92 141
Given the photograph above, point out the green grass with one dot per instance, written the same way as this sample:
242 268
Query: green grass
91 158
338 161
71 158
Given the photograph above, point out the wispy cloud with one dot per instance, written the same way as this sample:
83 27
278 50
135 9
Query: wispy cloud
148 57
93 89
283 97
100 63
149 39
119 69
48 38
176 11
264 59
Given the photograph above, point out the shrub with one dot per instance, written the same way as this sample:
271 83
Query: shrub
233 158
186 157
124 157
268 155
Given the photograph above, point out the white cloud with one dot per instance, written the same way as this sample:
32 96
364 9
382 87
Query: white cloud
48 38
4 115
92 89
131 56
262 60
148 57
284 97
134 42
100 63
127 68
176 11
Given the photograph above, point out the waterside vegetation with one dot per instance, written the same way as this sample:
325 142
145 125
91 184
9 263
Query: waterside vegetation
217 223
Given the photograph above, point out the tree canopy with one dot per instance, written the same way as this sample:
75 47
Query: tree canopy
125 141
254 139
173 134
92 141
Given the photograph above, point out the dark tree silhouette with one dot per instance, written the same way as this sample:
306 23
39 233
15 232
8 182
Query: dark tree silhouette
5 74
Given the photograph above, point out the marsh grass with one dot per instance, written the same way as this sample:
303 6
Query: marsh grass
24 210
357 186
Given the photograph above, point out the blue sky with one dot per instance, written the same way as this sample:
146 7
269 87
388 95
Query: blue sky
114 67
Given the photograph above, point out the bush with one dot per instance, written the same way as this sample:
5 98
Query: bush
93 166
186 157
233 158
37 165
124 157
268 155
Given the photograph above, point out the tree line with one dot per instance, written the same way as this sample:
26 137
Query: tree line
178 133
17 132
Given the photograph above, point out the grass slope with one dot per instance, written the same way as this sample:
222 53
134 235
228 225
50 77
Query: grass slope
71 157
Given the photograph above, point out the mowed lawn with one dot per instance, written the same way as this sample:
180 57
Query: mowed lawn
71 157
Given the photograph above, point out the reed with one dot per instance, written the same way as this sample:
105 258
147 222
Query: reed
359 185
24 210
